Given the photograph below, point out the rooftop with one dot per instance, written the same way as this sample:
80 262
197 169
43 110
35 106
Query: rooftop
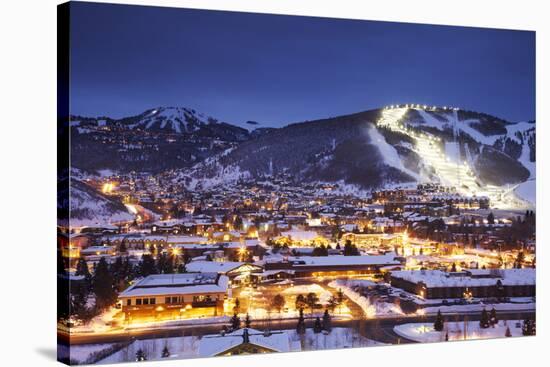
470 278
188 283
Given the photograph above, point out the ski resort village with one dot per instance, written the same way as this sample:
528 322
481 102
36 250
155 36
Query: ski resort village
186 237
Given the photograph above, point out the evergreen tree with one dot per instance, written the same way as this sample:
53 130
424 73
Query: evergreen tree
508 332
438 324
165 351
79 300
165 264
147 266
117 271
237 307
122 248
235 322
317 327
320 251
350 249
301 326
140 356
493 320
83 270
247 321
484 321
491 218
453 268
327 325
103 282
500 293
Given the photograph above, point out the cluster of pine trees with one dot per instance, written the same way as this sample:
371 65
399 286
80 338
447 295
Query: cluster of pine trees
107 280
319 324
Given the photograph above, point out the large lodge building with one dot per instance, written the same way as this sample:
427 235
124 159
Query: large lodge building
172 296
478 283
307 266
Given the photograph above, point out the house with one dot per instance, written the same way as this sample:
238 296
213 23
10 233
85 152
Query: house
173 296
237 272
247 341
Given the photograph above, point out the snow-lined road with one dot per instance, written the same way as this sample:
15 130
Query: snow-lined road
376 329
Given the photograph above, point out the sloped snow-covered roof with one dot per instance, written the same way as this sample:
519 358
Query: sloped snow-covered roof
471 278
213 345
388 259
213 266
298 235
187 283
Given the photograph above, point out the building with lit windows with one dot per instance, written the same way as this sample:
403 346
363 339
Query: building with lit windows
478 283
174 296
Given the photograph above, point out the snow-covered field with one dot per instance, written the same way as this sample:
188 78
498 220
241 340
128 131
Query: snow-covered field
321 292
425 333
336 339
188 346
178 347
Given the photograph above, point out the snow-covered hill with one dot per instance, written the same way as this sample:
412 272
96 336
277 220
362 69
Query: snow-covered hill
90 208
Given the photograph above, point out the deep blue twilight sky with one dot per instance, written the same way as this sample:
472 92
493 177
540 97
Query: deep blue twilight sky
282 69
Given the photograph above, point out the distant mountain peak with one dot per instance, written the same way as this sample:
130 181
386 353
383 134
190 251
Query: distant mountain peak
172 119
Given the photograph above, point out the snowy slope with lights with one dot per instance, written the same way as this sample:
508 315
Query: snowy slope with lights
452 151
478 154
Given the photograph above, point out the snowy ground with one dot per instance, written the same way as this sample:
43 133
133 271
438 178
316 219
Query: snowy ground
371 309
178 347
188 346
338 338
100 323
480 307
424 332
321 292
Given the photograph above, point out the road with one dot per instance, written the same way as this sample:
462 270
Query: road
380 329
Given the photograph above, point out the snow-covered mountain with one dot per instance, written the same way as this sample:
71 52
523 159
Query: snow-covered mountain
477 153
158 139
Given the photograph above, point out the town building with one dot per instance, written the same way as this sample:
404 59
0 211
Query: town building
308 266
478 283
247 341
173 296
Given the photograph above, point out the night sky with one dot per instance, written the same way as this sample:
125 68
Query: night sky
282 69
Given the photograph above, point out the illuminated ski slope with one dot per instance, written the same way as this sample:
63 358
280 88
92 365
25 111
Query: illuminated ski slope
450 172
